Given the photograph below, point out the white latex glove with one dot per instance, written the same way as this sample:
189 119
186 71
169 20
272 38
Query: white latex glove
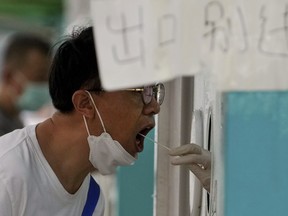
197 159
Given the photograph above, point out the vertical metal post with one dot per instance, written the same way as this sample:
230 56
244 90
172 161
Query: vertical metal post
174 126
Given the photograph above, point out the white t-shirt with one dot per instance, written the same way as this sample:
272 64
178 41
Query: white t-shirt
28 185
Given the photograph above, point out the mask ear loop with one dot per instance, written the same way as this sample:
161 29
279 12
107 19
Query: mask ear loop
86 125
96 111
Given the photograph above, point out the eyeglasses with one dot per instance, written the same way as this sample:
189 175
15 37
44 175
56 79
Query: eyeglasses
158 91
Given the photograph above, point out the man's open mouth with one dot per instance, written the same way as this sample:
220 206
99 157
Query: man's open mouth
140 139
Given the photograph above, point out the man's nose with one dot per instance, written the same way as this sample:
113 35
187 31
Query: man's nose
152 108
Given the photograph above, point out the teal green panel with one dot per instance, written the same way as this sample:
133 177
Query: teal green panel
135 184
27 13
256 150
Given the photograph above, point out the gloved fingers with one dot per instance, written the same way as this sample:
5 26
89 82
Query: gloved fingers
193 159
186 149
204 176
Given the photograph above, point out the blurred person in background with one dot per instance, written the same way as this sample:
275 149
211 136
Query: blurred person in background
23 78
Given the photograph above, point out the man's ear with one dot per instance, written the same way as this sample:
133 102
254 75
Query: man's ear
82 103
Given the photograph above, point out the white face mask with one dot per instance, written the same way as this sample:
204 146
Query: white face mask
105 153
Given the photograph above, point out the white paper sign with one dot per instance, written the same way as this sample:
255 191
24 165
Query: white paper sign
245 43
242 45
140 41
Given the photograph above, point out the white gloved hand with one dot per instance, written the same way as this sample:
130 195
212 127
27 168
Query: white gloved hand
197 159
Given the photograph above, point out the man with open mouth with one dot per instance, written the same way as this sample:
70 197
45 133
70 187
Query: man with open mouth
45 168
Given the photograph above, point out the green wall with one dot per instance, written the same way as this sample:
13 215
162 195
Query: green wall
27 13
135 184
256 145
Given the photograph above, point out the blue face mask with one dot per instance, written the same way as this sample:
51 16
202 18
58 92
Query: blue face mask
34 97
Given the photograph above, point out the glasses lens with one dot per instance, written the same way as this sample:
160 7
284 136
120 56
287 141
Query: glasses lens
147 94
159 93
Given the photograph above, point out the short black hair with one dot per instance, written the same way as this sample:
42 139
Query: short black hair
20 43
74 67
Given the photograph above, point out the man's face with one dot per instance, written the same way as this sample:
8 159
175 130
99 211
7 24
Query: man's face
32 69
125 116
36 65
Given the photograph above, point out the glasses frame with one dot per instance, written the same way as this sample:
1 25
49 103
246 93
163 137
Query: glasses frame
156 91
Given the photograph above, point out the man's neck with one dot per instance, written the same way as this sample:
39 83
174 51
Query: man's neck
65 151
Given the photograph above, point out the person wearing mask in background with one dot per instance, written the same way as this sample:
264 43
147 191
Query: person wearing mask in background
24 78
45 169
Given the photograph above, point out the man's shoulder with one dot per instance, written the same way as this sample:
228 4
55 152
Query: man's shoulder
12 140
8 124
15 155
14 147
